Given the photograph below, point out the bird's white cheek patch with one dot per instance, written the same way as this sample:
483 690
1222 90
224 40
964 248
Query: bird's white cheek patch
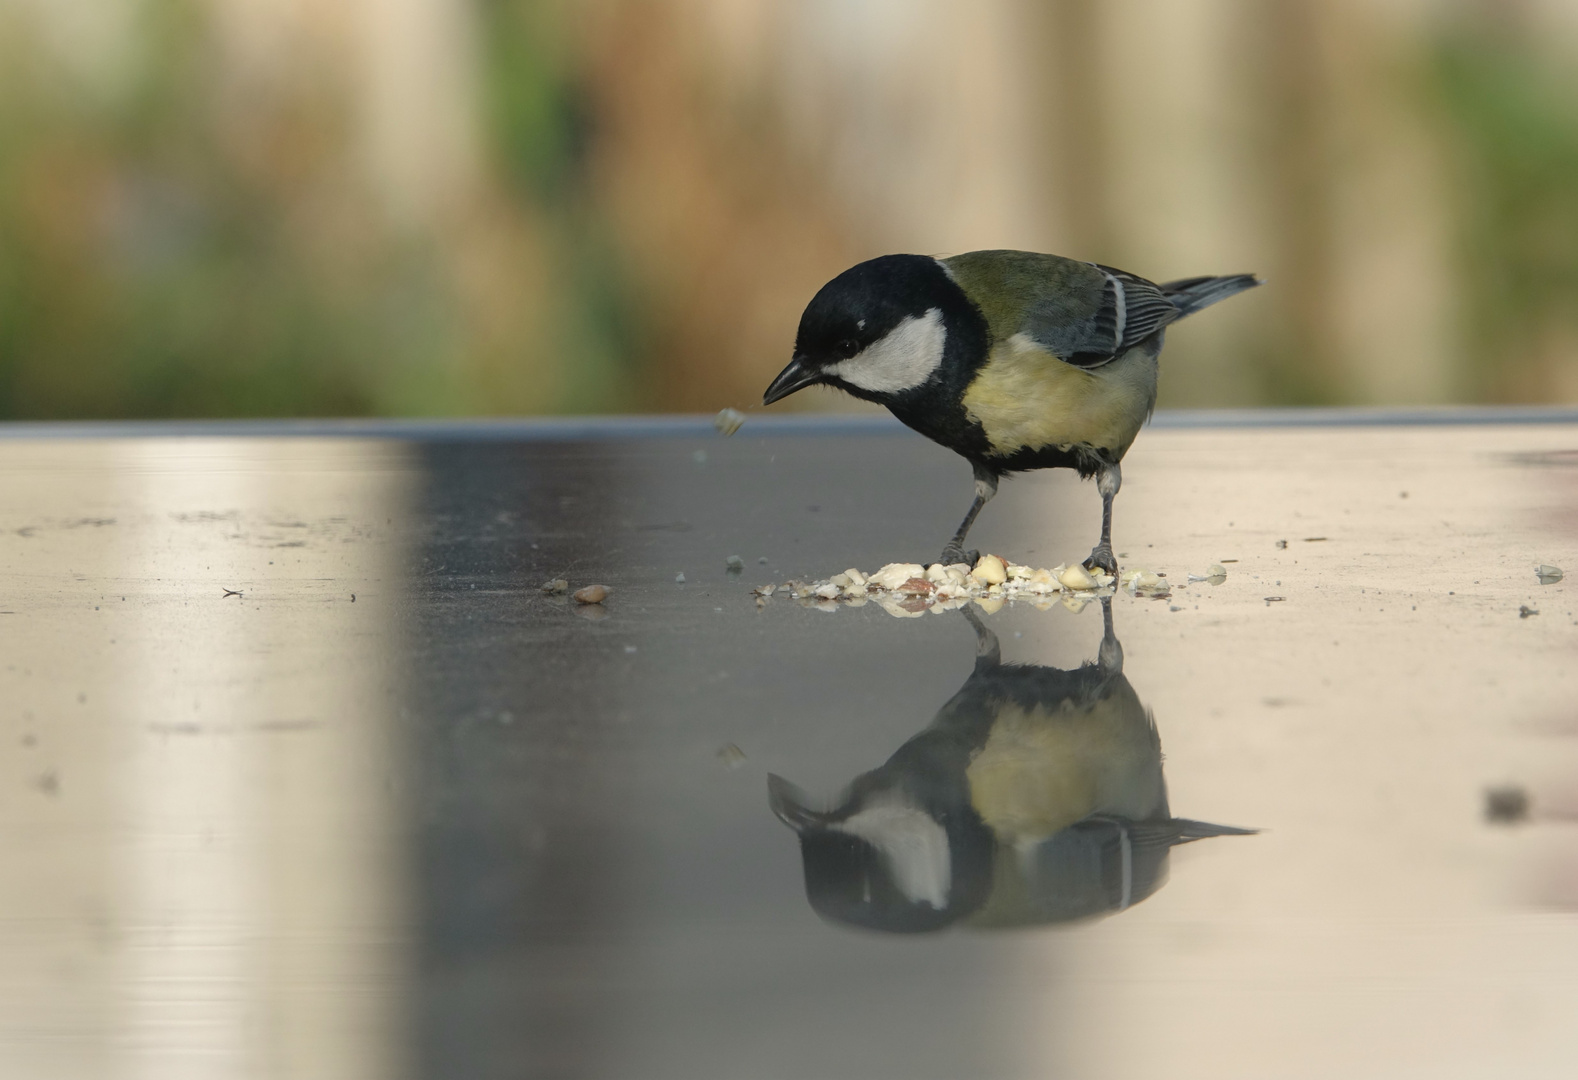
914 847
902 360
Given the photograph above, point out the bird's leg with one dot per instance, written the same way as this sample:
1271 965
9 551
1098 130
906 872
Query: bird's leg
985 488
1110 656
988 653
1108 480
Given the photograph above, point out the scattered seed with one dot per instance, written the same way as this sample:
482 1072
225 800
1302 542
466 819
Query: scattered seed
1282 543
1075 577
1548 574
731 756
679 578
989 570
1214 574
728 421
734 564
556 587
592 594
893 575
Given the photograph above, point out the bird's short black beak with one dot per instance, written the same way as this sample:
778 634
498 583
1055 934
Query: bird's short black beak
789 804
797 376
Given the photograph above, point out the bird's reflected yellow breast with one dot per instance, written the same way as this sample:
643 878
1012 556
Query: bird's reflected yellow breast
1042 770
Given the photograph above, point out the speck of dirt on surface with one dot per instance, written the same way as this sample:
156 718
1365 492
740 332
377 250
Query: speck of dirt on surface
734 564
1524 611
591 594
1506 804
1281 544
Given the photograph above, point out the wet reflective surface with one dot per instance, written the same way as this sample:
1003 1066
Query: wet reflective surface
1034 797
302 775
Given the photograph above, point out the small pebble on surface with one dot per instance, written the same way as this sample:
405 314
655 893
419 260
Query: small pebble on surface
1507 804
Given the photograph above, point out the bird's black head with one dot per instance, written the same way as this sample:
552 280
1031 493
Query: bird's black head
877 330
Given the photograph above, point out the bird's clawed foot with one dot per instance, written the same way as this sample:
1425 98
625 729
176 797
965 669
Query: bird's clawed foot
953 553
1102 559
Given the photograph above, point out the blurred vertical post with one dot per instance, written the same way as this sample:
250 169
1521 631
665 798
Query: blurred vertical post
1075 136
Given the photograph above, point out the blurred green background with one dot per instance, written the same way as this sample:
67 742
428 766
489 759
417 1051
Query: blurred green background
454 207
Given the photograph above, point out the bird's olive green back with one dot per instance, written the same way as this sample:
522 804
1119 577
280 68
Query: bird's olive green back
1013 287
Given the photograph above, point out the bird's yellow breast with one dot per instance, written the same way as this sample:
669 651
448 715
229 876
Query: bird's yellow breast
1041 771
1026 398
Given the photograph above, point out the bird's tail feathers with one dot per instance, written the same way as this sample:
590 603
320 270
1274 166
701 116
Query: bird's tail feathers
1203 830
1191 294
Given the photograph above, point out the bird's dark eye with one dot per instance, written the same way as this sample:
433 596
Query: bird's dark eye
847 348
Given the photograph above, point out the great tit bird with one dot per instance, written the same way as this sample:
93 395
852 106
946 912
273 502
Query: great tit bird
1011 359
1035 796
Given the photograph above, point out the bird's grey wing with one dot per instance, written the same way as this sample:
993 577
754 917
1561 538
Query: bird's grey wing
1129 310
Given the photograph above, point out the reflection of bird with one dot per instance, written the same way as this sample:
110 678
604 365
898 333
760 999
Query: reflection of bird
1012 359
1036 795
